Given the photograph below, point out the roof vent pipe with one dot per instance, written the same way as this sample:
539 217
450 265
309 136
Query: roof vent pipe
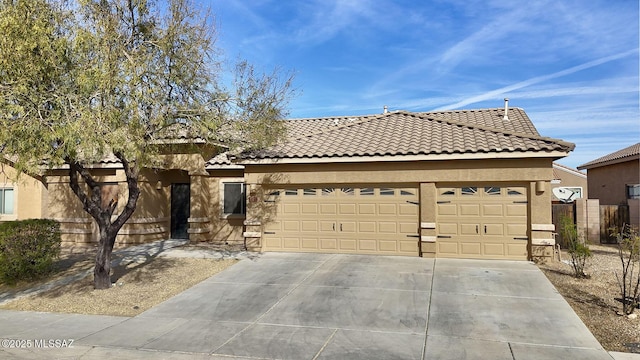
506 110
385 109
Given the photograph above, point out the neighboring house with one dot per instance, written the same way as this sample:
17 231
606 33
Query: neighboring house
568 184
466 183
21 197
614 179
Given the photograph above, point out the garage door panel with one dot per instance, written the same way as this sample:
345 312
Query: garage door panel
516 210
387 227
309 209
367 226
291 225
348 244
470 248
469 229
492 210
389 246
494 249
387 209
447 248
348 226
408 209
291 243
326 226
309 225
469 209
291 208
309 243
447 209
328 209
448 229
367 245
329 244
517 249
366 209
347 209
408 246
516 229
494 229
408 228
273 242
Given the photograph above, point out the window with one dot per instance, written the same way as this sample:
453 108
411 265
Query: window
633 191
6 201
490 190
233 198
348 191
469 190
387 191
366 192
309 192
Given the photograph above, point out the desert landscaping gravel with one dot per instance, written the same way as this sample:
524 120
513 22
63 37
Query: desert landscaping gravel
138 287
596 299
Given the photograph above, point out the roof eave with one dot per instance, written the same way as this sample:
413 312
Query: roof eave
400 158
588 166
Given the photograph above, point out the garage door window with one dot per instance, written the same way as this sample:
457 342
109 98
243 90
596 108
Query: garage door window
469 190
366 192
490 190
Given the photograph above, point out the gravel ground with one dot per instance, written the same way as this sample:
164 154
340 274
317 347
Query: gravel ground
139 286
594 299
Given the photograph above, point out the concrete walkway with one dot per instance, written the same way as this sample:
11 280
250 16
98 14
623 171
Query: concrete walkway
327 306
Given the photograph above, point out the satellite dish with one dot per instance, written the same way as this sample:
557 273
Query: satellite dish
567 194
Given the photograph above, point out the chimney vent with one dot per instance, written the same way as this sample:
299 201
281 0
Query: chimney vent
385 109
506 110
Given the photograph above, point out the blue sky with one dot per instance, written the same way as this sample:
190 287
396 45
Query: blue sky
573 66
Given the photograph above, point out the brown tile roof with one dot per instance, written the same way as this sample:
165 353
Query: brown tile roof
629 153
559 167
404 133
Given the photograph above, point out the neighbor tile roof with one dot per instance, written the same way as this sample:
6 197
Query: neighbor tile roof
404 133
629 153
559 167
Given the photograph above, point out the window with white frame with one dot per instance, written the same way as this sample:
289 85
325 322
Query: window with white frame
6 201
233 198
633 191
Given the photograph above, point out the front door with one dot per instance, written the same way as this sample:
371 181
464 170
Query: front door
180 205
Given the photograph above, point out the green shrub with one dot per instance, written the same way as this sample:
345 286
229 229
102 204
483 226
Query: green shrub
28 249
576 246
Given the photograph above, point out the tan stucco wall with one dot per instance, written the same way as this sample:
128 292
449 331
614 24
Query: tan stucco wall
535 174
30 195
608 183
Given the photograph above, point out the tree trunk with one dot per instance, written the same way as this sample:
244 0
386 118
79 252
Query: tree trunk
93 204
102 269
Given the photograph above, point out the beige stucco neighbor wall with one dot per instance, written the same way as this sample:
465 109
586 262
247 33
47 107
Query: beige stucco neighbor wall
536 174
608 183
30 195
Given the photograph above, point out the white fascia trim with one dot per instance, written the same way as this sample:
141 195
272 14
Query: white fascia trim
390 158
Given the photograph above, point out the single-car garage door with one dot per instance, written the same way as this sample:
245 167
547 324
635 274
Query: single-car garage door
487 222
362 220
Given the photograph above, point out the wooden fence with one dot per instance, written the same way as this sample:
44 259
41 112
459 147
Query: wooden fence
612 218
559 211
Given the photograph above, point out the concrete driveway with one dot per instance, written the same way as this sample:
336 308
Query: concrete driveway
326 306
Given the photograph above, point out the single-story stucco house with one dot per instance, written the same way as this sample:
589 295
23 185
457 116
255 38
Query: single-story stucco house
463 183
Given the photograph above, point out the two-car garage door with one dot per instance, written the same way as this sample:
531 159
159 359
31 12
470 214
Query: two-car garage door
487 222
347 219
